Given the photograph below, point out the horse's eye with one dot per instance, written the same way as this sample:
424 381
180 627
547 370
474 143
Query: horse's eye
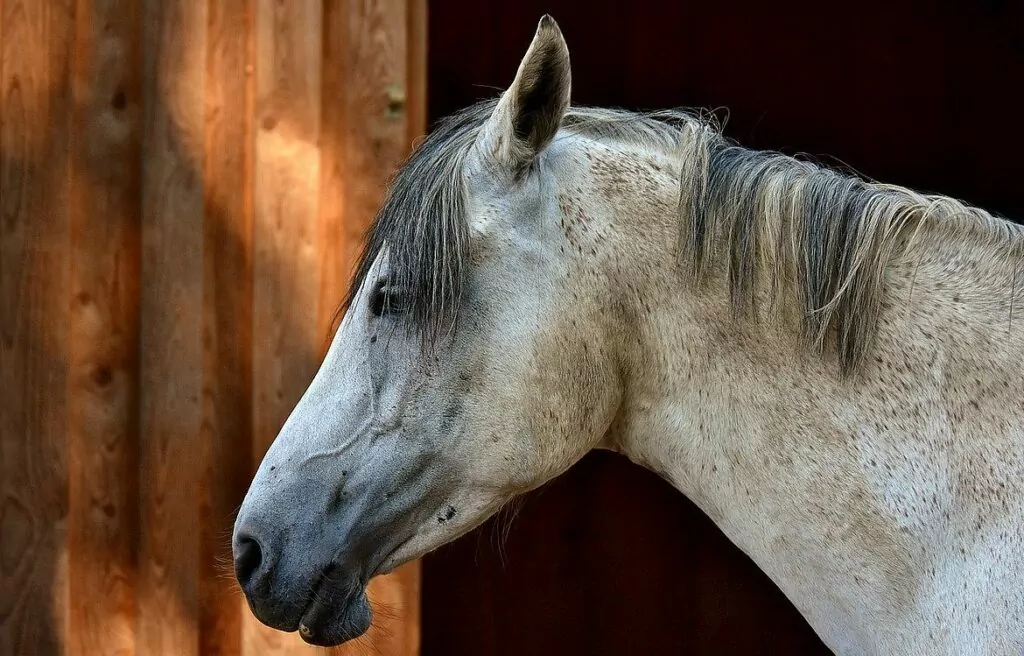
386 300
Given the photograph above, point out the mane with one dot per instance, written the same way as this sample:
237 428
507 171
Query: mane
423 227
824 234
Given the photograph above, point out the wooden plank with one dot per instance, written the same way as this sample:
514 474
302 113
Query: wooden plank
373 106
416 70
285 292
171 364
103 376
35 37
227 316
340 236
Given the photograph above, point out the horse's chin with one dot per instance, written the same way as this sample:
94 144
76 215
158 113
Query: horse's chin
329 622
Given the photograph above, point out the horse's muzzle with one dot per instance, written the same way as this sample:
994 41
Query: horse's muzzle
326 604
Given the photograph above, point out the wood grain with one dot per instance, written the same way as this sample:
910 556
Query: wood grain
227 311
287 249
339 250
171 369
35 41
184 186
103 377
416 69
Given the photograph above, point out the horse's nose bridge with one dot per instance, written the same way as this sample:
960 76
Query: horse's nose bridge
322 426
315 441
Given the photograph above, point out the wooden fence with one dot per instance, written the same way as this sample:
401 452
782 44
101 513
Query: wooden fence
183 186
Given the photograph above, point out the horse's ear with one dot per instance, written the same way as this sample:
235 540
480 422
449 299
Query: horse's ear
531 110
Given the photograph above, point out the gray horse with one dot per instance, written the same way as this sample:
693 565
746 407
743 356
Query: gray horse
831 369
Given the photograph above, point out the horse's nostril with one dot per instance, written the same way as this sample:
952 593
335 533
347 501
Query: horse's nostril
247 559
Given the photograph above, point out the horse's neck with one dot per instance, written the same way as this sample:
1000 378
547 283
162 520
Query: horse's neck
854 496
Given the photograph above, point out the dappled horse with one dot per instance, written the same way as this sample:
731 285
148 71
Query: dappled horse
830 368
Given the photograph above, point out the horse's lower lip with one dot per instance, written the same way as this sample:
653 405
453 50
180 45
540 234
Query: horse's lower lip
315 613
328 604
312 626
323 625
334 615
307 625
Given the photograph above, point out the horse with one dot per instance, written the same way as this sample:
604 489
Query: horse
828 366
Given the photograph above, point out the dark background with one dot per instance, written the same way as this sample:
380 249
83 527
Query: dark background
609 558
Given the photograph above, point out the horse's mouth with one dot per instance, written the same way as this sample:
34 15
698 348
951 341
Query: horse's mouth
335 614
338 609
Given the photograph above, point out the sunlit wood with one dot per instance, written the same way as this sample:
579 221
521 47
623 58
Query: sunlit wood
184 187
103 428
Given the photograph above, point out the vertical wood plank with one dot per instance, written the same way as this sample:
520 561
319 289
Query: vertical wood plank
227 315
103 377
416 69
340 236
35 37
285 291
171 367
373 106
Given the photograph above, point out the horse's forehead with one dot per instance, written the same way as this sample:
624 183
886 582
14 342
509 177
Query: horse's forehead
381 263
